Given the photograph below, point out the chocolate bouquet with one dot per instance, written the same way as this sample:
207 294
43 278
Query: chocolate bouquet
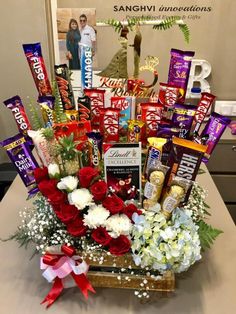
115 202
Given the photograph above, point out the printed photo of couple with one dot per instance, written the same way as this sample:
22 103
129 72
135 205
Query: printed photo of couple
76 27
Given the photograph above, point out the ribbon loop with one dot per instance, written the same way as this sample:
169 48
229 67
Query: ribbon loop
58 267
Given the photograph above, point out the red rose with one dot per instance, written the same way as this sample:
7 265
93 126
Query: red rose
41 174
99 190
86 175
120 245
57 198
67 213
130 209
47 187
101 236
113 203
77 228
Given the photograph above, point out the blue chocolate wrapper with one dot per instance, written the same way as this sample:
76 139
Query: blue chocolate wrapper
86 62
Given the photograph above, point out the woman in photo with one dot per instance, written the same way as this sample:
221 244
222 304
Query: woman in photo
72 44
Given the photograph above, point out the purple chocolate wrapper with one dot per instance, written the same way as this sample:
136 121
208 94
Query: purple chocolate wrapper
17 108
19 152
97 137
180 64
214 129
167 131
183 118
47 99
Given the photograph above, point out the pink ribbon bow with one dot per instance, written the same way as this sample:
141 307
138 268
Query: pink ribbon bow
59 266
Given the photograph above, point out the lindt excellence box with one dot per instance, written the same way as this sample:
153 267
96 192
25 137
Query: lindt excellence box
122 165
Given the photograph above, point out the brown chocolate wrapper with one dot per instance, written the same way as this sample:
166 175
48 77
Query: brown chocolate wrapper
185 160
62 75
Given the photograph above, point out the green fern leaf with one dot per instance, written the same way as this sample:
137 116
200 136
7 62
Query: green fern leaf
207 234
114 23
185 30
170 22
36 120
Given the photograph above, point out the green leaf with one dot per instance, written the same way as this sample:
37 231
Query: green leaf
201 171
36 120
170 22
207 234
185 30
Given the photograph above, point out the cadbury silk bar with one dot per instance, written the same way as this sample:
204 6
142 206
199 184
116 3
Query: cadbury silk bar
185 160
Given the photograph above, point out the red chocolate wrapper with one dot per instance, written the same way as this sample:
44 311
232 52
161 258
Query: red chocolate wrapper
37 66
168 97
18 150
64 85
16 106
134 86
84 108
151 115
183 118
203 106
109 124
97 102
78 128
180 64
214 129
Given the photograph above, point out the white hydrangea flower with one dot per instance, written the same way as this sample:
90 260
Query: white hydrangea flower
53 171
96 217
80 198
68 183
118 224
166 245
168 233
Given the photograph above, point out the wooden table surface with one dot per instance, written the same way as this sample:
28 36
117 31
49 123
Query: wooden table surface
208 287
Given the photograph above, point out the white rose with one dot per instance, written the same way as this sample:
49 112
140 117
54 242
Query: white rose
68 183
96 217
53 171
80 198
118 224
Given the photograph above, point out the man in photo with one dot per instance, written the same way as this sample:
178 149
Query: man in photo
88 36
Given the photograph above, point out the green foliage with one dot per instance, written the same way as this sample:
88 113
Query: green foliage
201 171
163 25
59 115
48 134
207 234
20 237
117 25
185 30
170 22
67 147
36 120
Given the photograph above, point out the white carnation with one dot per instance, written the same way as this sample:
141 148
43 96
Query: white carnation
80 198
118 224
96 217
68 183
53 171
